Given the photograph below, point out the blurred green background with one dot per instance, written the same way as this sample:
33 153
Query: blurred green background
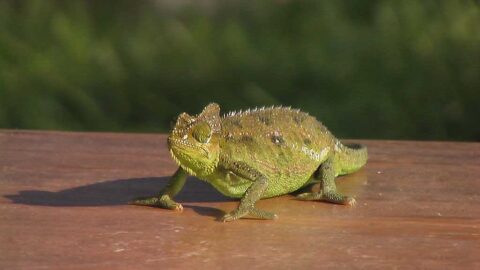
367 69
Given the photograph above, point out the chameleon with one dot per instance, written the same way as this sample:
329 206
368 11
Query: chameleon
256 154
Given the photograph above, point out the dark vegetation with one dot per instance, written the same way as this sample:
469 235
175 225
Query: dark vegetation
367 69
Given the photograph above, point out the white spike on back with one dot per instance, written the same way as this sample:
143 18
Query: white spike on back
259 109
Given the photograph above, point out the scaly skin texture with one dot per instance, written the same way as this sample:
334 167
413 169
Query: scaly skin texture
257 154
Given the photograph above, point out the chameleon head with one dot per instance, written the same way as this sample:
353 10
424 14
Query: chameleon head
194 141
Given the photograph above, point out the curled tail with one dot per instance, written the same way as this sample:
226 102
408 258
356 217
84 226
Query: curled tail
350 157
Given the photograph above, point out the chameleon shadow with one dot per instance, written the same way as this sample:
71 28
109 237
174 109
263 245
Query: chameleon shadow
116 192
206 211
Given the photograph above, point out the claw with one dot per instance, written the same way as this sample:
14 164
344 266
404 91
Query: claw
227 218
351 201
178 207
234 215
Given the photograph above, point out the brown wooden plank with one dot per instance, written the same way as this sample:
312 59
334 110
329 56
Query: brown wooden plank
63 206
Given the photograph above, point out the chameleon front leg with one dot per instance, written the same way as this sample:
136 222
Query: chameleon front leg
252 195
164 199
328 191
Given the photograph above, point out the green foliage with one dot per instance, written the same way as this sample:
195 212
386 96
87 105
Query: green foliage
369 69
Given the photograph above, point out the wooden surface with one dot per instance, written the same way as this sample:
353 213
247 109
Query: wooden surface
63 206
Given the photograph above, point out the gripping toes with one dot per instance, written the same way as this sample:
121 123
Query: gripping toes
335 197
310 196
332 197
254 212
350 201
234 215
163 201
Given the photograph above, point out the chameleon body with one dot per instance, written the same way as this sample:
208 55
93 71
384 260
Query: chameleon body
257 154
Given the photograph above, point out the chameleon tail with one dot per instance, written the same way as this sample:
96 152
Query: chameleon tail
350 158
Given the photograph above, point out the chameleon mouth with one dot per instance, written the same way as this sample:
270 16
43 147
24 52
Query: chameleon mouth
176 147
180 145
179 151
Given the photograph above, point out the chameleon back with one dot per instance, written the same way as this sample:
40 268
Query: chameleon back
285 145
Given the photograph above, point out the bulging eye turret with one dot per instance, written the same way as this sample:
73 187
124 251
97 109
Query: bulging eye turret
202 132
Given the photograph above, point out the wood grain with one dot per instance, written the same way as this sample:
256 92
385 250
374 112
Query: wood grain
63 206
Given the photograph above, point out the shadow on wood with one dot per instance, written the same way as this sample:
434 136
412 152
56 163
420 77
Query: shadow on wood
116 192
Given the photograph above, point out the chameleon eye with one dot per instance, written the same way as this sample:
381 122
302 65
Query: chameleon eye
202 132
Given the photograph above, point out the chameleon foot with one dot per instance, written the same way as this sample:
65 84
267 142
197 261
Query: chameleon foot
335 197
256 213
163 201
332 197
310 196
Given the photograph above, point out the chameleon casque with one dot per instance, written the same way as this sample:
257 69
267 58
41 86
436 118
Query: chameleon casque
257 154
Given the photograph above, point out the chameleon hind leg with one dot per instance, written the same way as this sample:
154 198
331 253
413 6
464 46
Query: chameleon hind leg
164 199
328 191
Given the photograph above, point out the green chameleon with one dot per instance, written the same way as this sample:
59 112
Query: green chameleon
257 154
